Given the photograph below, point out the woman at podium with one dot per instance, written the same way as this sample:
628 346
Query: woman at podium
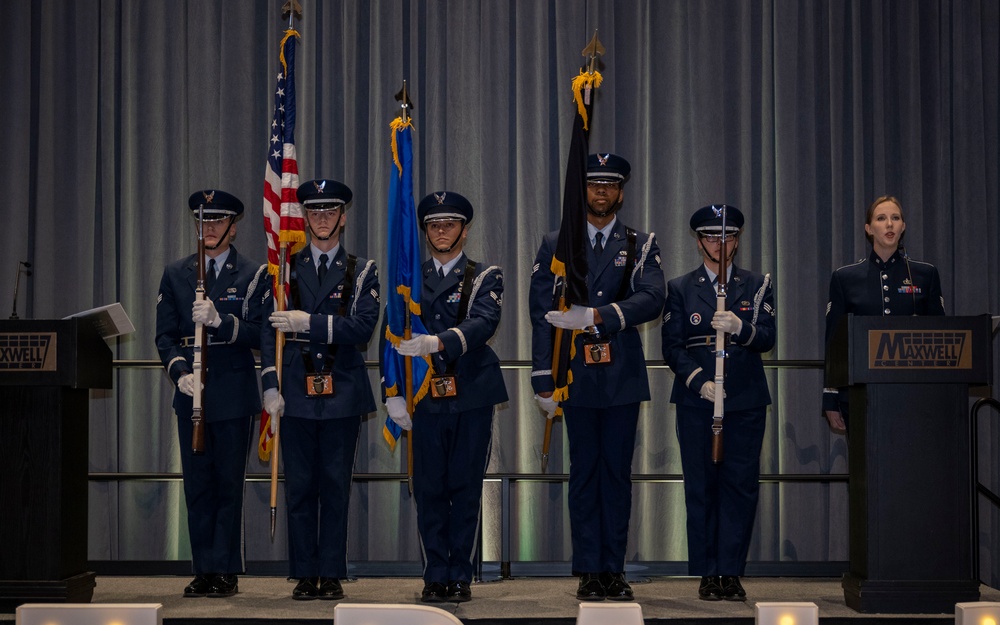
886 282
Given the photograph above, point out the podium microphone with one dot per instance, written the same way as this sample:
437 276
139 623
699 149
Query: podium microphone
17 280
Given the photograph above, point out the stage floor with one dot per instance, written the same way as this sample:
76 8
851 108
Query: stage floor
549 600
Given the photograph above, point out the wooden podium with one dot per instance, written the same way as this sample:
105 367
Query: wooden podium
910 488
46 369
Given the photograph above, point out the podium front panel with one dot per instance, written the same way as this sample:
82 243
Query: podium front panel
910 350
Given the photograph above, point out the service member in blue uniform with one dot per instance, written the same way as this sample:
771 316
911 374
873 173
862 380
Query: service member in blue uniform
626 289
721 498
453 424
887 282
232 314
325 390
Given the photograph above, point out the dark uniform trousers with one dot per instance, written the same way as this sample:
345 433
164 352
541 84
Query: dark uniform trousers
600 484
721 498
718 542
319 460
871 286
319 434
214 484
450 453
452 435
601 413
214 481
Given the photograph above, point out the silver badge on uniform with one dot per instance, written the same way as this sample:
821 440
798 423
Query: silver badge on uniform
695 319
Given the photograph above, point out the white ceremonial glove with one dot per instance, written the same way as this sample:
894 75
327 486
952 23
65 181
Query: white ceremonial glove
727 321
204 312
548 405
708 391
274 403
419 345
576 318
290 320
185 384
397 412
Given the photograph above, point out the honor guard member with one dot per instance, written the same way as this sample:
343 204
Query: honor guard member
626 289
721 498
231 313
453 423
887 282
325 390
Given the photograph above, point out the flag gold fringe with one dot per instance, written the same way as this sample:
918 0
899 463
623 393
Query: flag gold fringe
561 393
585 80
389 438
404 290
291 32
398 125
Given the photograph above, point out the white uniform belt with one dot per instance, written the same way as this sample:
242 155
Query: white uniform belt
705 341
188 341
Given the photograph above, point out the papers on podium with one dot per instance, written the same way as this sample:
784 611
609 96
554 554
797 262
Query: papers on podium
110 320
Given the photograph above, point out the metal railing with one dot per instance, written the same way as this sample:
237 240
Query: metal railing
978 488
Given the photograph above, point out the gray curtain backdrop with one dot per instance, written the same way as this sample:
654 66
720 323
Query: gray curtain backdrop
799 112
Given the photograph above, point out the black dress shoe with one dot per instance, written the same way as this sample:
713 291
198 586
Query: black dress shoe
224 586
434 592
710 589
306 589
330 588
732 589
199 586
591 588
459 591
616 588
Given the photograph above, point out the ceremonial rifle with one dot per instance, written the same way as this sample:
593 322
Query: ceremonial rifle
198 361
720 351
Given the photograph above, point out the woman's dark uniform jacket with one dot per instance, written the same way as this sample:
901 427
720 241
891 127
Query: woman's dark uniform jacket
238 294
448 508
329 333
624 381
688 338
478 378
875 287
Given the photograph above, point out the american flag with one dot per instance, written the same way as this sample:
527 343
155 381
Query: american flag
283 218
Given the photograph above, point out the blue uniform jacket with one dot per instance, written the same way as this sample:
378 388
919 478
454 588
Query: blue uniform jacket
239 293
687 321
477 369
624 381
328 332
873 287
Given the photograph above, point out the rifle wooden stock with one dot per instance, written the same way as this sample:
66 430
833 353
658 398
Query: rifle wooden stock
198 360
720 354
